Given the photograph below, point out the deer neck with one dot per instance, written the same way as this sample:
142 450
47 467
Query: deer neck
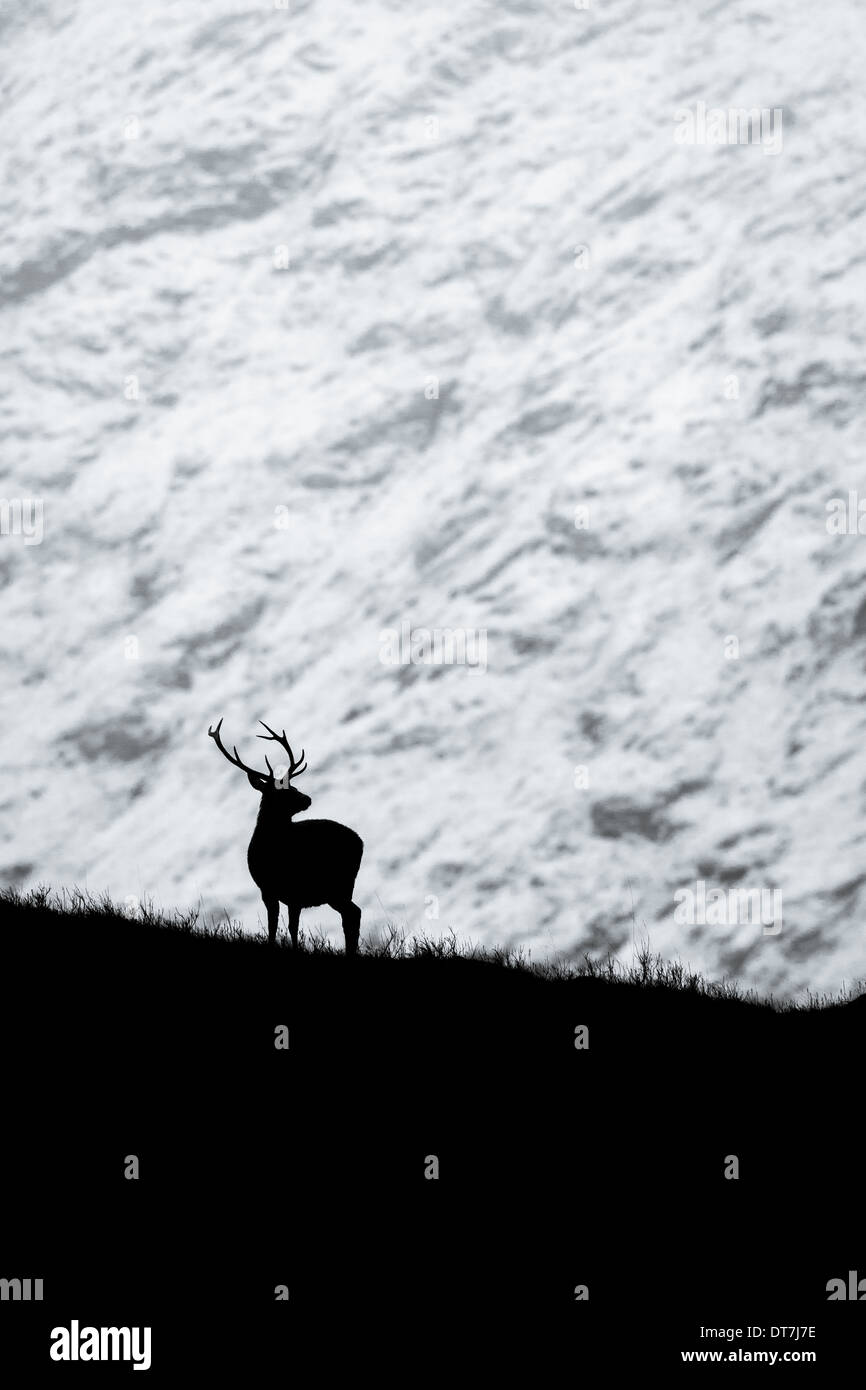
268 823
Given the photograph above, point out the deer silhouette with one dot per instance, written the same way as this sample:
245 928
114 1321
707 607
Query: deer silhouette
304 864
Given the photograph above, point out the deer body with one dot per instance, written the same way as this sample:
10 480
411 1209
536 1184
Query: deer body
303 864
306 864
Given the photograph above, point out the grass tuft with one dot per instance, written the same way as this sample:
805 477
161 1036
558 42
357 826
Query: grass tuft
647 971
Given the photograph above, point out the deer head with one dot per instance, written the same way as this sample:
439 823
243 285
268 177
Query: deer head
278 795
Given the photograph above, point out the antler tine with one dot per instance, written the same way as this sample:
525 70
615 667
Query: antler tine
296 767
272 733
236 761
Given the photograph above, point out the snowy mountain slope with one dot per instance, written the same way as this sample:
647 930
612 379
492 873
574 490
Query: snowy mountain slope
239 245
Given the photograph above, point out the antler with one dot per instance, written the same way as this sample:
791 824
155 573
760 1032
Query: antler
236 760
296 767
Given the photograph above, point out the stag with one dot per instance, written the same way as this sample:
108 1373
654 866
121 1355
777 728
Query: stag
301 864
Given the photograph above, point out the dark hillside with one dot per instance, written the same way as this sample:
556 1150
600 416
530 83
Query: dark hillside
305 1166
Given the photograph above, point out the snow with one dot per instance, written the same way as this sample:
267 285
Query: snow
430 174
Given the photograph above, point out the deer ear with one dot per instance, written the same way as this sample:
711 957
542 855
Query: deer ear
257 783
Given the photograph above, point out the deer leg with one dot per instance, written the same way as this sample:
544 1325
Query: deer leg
351 916
294 919
273 906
